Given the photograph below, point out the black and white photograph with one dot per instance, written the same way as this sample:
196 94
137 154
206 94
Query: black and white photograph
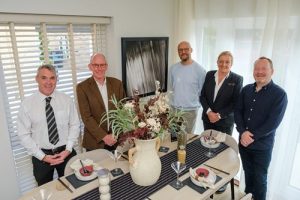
144 60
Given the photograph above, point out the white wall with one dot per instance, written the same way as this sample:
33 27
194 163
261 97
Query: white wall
130 18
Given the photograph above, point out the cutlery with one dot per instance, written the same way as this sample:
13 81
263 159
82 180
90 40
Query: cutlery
216 169
65 185
193 137
83 168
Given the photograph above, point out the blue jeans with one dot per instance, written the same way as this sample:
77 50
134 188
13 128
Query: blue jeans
256 164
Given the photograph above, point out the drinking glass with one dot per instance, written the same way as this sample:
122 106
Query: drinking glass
116 156
178 167
210 154
42 195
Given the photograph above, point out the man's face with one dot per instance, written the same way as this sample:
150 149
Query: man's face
224 64
262 72
184 51
46 80
98 66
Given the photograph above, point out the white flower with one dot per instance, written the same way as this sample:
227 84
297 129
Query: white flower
151 122
142 124
129 105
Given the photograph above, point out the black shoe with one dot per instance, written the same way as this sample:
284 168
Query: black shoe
222 189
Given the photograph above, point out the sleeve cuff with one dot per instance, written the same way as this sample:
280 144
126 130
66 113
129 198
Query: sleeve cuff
69 147
40 155
208 110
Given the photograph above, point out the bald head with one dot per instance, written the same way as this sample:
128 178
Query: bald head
184 52
97 55
184 43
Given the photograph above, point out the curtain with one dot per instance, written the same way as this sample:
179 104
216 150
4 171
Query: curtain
250 29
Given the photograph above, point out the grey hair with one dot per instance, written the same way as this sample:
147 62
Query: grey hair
47 66
97 54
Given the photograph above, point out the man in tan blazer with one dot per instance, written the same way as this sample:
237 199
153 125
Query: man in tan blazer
94 95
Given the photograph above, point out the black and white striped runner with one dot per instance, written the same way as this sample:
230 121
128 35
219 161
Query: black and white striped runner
124 188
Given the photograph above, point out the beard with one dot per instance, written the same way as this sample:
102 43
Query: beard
184 57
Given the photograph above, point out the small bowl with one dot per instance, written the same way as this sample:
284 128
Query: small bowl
202 172
89 168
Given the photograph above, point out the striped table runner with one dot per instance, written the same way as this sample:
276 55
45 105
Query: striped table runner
124 188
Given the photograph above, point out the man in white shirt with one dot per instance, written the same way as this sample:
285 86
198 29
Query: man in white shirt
35 129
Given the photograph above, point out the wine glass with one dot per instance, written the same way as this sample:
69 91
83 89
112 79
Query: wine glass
178 167
43 194
116 156
210 154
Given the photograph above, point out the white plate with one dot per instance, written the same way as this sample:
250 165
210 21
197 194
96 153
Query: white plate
85 178
209 180
207 145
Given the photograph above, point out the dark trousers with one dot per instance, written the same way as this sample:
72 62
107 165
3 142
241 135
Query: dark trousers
43 172
224 129
256 164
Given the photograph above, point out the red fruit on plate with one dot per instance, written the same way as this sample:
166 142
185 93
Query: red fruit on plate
88 170
202 172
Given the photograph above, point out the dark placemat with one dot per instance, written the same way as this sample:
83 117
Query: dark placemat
199 189
123 188
75 182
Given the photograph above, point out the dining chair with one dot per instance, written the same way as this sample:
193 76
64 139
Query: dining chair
229 141
95 155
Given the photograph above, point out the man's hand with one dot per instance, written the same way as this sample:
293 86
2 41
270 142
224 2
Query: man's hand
246 138
213 117
64 154
109 140
53 159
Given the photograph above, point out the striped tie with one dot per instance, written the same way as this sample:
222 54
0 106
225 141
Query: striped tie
52 128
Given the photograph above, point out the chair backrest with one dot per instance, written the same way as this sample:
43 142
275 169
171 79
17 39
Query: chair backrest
95 155
247 197
229 140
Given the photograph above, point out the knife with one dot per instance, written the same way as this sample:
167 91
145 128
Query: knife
65 185
216 169
193 137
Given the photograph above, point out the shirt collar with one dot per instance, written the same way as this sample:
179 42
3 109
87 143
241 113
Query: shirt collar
264 87
42 97
99 83
227 75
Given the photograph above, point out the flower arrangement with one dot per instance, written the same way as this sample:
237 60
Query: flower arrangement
143 120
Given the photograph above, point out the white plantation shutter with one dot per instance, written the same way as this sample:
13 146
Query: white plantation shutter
67 42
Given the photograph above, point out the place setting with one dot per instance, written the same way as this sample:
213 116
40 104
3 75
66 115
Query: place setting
85 171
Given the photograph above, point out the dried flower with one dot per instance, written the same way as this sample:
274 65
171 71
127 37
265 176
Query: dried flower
143 120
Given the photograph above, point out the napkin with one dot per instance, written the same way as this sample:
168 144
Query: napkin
220 137
76 165
207 182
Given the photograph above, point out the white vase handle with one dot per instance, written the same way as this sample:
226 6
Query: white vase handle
157 144
130 155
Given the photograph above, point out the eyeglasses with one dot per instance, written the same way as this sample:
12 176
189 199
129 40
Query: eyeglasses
97 66
184 49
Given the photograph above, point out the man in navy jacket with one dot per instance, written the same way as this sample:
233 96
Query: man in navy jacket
258 113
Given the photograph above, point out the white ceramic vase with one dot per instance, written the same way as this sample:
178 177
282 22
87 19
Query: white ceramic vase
145 165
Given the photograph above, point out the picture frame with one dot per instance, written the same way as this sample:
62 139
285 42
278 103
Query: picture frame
144 60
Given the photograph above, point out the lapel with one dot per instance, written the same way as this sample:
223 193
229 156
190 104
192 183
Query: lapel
96 92
224 86
211 87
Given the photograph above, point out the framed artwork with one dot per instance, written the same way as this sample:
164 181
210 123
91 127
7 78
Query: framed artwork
144 60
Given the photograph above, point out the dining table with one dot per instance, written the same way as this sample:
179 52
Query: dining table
225 165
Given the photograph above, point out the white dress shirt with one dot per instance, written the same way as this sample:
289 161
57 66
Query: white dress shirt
103 92
32 123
